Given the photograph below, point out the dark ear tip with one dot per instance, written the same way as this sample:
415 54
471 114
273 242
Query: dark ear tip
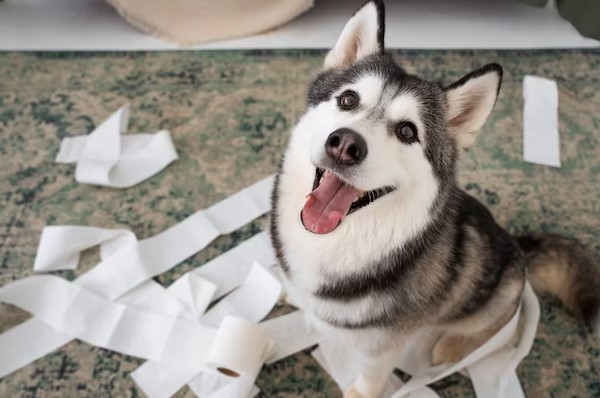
494 67
489 68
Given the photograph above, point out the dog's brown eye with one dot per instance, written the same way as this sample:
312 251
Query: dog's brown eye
406 131
348 100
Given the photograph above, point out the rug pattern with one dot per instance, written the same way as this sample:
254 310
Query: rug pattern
230 113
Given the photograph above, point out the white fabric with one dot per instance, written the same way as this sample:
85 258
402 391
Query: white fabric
106 158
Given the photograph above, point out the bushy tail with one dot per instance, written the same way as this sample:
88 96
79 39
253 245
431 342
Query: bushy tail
566 269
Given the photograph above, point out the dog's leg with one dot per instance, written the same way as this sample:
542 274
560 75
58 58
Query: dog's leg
454 346
376 369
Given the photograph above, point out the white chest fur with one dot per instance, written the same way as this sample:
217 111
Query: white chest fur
363 238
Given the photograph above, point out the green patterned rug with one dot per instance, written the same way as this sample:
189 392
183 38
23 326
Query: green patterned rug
230 114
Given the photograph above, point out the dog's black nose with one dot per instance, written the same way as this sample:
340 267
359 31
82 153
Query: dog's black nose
346 146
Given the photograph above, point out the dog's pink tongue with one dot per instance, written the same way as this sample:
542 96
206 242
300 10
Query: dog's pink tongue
327 205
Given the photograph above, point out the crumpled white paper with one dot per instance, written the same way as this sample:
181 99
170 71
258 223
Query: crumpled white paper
128 264
194 293
118 306
106 158
486 360
60 247
252 301
491 367
80 313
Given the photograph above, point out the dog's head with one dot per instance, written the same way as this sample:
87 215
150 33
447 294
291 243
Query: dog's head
371 130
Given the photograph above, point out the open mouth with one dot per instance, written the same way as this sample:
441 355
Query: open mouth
331 200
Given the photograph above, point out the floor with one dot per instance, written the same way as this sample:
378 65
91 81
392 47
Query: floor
92 25
230 113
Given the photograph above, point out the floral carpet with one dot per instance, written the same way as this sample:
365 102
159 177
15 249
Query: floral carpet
230 113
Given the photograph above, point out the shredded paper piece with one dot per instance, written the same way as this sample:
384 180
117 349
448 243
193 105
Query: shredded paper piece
218 352
106 158
541 141
124 270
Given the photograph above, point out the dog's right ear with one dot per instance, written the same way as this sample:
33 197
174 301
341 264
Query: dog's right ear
362 36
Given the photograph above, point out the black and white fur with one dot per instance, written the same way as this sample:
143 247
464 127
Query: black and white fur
425 254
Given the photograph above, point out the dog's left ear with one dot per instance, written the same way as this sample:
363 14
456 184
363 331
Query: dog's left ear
470 101
362 36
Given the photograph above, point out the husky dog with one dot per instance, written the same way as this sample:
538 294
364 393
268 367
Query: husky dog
374 235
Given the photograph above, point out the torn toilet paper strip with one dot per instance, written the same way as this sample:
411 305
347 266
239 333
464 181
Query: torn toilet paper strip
220 386
528 312
118 274
60 246
491 366
229 269
76 311
290 333
132 262
252 301
194 293
541 141
171 341
182 359
106 158
342 364
495 375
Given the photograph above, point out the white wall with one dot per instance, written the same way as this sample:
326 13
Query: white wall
418 24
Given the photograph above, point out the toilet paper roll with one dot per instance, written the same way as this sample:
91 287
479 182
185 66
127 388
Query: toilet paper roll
240 349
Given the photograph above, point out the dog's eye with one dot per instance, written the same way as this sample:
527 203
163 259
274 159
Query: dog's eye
348 100
407 132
